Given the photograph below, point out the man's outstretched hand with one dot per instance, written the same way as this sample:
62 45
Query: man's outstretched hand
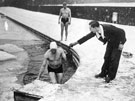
73 44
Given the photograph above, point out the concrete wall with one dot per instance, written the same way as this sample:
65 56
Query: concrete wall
43 2
126 15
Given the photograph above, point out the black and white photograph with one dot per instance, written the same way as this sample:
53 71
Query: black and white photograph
67 50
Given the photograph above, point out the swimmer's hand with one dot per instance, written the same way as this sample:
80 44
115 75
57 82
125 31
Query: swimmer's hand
38 78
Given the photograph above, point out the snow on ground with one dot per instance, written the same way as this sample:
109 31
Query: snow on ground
91 55
83 86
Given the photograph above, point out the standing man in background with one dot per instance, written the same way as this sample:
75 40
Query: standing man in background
115 39
65 17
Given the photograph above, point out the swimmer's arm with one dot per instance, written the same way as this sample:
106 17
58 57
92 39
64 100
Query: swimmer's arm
60 14
64 55
69 16
43 66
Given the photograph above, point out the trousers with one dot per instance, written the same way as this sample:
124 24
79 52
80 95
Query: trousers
111 61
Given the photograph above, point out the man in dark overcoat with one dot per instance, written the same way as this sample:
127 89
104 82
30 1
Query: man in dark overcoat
115 39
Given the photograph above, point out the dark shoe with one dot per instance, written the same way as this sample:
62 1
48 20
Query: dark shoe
99 76
107 79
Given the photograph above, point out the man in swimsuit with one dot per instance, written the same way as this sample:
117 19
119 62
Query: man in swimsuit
65 16
53 63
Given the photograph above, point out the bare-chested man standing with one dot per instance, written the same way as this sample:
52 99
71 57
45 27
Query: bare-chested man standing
53 63
65 16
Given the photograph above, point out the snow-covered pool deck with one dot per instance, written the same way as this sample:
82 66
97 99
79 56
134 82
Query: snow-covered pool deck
83 86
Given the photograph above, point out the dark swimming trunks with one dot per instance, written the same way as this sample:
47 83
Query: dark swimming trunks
64 20
57 70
